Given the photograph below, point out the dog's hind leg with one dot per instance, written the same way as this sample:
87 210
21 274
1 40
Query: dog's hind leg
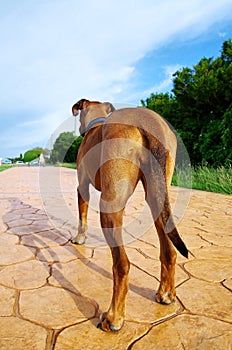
157 195
166 292
113 319
119 178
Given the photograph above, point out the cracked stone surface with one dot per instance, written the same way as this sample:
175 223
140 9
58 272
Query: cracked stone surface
188 332
210 299
19 276
90 339
14 254
7 300
16 333
52 293
55 307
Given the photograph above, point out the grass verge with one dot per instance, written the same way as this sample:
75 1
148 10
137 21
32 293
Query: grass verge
4 167
67 165
206 179
203 178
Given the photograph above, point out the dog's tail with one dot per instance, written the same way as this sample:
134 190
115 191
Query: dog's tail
166 224
158 195
178 242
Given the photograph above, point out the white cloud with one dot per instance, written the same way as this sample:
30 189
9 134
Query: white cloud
164 85
222 34
54 52
167 82
30 133
57 50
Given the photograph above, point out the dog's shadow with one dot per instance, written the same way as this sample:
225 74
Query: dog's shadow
37 242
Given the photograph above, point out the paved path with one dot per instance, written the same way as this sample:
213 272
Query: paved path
51 292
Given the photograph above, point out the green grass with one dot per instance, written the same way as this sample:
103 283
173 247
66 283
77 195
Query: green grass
206 179
67 165
4 167
200 178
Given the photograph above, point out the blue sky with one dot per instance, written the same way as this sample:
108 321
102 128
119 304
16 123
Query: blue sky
55 52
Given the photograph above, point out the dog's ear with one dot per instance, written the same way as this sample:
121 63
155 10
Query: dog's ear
83 103
109 107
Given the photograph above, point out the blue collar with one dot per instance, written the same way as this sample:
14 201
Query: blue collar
93 122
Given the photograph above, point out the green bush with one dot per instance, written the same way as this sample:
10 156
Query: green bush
65 148
31 155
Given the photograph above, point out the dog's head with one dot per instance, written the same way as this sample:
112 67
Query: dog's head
91 110
82 104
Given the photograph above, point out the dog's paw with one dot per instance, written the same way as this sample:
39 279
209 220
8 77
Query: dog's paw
79 239
107 325
165 298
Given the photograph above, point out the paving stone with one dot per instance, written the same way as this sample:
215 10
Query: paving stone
58 254
14 254
193 240
17 334
142 250
41 212
18 204
19 222
150 236
206 298
95 237
188 332
141 304
36 216
218 240
139 255
80 285
102 253
211 270
7 299
88 336
55 307
4 206
35 227
139 227
45 239
87 277
3 226
23 211
213 252
143 244
154 270
228 283
6 239
19 276
83 251
10 216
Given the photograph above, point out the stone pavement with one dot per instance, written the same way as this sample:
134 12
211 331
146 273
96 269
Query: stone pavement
51 292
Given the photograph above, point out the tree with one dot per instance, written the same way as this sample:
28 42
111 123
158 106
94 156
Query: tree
199 107
204 94
14 160
163 103
31 155
65 148
227 51
71 154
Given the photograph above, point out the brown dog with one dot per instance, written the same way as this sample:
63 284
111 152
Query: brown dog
121 147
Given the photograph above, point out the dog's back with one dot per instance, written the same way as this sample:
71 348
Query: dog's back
147 121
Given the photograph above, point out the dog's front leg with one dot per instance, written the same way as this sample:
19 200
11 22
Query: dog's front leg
83 211
113 319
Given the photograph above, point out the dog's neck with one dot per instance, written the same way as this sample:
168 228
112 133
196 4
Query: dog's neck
95 122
